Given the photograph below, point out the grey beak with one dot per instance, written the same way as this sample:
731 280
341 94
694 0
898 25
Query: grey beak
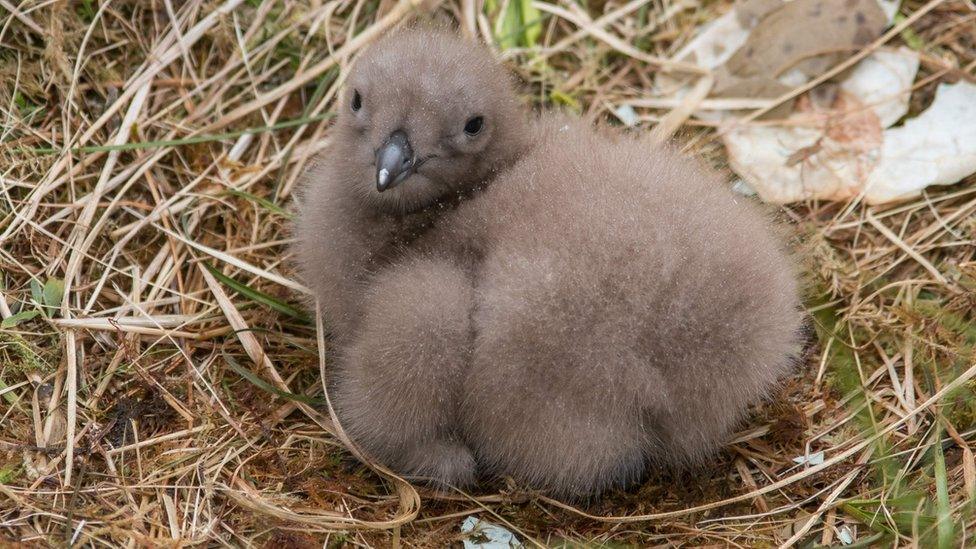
394 161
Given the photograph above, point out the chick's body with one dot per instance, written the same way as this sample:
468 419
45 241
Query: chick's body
588 305
628 307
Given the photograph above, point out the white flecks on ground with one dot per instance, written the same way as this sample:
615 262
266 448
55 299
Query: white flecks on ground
743 188
815 458
485 535
846 535
627 115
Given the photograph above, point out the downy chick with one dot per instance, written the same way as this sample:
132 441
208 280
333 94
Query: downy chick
525 297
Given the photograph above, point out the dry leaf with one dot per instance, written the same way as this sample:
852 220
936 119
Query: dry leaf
843 150
761 49
810 36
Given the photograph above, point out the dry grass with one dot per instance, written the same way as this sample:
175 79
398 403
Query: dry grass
143 248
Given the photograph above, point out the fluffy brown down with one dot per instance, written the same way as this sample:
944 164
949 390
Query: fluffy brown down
543 301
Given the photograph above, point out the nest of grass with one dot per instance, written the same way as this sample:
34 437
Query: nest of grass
160 382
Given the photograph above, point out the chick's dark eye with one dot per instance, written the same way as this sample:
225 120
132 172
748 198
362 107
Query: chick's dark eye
474 125
357 101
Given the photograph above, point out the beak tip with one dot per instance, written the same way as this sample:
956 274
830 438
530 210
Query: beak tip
382 179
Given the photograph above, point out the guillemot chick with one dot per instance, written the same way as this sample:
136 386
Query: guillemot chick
530 297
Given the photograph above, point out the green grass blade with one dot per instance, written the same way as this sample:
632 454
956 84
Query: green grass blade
945 528
265 386
23 316
10 397
262 201
530 17
869 518
519 24
257 296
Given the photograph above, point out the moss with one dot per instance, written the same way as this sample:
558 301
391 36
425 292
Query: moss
9 473
24 356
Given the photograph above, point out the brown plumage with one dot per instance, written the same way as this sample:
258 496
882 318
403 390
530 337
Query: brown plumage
535 299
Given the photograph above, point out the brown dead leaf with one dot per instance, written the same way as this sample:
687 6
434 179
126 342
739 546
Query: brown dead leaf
808 35
751 12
